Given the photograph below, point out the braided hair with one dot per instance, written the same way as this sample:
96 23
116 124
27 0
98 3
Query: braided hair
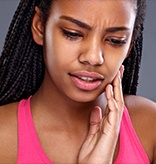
21 62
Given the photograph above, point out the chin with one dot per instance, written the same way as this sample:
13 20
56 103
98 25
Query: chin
85 98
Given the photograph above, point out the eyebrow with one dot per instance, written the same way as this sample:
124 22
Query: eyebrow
116 29
84 25
77 22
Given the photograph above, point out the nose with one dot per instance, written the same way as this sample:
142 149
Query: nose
92 54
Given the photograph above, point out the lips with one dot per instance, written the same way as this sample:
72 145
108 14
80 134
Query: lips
87 81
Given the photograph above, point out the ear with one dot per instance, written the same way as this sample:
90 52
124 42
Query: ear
37 27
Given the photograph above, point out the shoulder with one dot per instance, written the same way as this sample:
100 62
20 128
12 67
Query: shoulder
8 115
140 107
8 132
142 112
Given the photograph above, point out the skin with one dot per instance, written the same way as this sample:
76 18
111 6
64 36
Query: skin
60 109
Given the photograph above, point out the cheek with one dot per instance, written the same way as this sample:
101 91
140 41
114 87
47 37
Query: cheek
113 63
59 57
53 50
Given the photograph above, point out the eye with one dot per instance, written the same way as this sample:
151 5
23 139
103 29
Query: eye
116 42
71 35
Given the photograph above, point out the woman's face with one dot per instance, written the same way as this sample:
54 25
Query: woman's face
85 43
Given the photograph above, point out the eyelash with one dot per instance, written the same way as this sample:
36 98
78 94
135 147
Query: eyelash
75 36
71 35
116 42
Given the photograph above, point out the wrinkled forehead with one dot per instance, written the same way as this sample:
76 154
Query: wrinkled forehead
70 2
120 12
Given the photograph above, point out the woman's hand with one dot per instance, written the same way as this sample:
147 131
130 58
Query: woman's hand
100 144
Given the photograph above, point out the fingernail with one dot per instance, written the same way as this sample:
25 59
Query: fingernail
111 90
119 76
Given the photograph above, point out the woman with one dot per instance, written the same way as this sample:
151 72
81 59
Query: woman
77 109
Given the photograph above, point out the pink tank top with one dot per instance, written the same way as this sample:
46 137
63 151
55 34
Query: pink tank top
31 152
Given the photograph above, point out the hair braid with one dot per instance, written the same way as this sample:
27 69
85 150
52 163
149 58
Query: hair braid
133 61
21 63
132 65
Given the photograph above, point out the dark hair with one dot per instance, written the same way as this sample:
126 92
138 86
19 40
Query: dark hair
21 61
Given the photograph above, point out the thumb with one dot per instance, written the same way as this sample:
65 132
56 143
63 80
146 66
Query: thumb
95 118
92 137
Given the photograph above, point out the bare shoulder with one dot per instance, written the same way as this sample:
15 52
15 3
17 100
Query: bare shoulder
140 106
142 112
143 116
8 133
8 116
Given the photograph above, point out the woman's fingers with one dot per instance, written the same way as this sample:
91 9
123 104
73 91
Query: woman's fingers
121 71
115 103
95 118
93 135
118 88
110 123
100 143
111 117
118 95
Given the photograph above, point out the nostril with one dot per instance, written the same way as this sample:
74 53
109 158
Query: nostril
90 58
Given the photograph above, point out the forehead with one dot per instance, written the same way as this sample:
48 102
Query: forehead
91 11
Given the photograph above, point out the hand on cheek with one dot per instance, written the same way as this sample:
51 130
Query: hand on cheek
121 70
100 144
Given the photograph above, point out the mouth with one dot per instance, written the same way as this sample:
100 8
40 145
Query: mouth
86 81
